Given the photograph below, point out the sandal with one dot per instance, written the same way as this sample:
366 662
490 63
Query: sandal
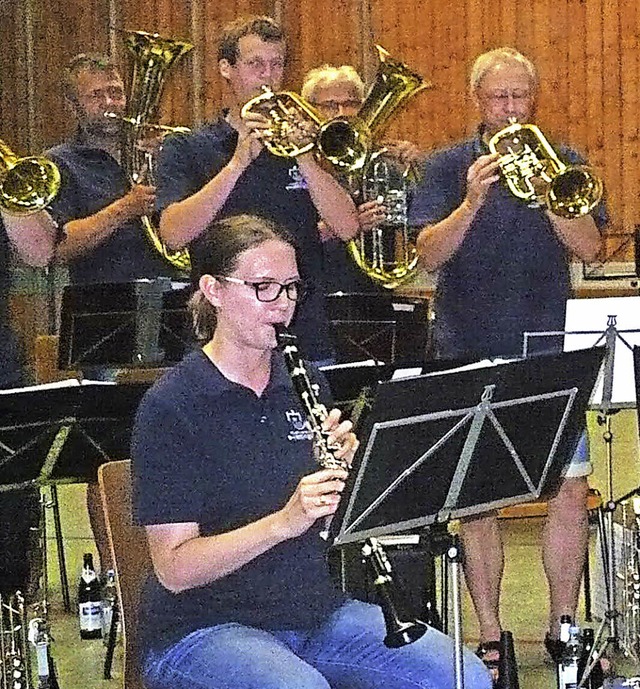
492 664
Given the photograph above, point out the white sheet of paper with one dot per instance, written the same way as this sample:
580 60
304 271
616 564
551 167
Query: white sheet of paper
593 315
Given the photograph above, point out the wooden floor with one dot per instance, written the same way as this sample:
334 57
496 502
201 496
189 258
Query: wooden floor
524 600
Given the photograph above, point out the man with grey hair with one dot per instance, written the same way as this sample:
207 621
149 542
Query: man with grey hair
340 92
504 270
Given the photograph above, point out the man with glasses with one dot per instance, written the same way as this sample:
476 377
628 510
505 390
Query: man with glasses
223 169
504 270
340 92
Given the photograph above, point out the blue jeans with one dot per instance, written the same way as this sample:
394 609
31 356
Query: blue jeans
345 653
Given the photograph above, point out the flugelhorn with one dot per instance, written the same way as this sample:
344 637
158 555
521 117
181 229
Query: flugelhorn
345 142
153 56
27 185
533 172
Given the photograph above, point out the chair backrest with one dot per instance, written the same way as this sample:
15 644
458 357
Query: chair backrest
130 554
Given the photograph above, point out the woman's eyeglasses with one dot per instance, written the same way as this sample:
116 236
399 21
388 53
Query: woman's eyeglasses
268 290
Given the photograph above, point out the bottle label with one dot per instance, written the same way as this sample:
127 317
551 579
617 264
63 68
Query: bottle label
568 676
90 616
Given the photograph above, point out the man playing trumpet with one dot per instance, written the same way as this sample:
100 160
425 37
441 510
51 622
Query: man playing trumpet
224 169
504 270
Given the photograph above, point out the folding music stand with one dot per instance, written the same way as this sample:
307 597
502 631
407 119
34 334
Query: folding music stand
134 324
425 441
61 433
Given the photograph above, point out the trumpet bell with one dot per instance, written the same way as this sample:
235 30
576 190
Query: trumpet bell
27 185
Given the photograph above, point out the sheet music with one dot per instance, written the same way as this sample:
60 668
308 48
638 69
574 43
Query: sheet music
592 315
67 383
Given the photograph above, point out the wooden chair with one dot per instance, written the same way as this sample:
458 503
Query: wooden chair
131 558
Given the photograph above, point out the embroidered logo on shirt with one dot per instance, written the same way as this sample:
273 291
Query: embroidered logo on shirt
297 180
300 430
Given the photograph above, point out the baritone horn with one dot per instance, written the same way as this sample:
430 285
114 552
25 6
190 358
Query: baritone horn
27 185
533 172
153 56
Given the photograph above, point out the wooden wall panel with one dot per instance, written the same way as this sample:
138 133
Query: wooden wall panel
587 52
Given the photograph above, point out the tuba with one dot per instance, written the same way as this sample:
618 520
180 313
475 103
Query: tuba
533 172
153 56
27 185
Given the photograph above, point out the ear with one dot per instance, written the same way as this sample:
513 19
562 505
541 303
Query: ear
209 287
224 67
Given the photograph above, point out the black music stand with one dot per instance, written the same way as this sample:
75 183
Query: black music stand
136 324
380 326
61 433
424 443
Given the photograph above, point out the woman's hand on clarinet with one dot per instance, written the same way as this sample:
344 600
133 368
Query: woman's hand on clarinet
342 440
316 496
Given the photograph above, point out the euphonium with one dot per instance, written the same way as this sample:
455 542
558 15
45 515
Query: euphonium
385 252
153 56
345 142
27 185
534 172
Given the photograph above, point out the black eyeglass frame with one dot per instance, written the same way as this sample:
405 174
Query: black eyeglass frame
298 285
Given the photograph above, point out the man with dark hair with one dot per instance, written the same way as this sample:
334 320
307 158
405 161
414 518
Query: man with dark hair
223 169
98 209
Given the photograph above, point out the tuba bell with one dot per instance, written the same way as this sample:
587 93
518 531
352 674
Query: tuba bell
153 56
533 172
27 185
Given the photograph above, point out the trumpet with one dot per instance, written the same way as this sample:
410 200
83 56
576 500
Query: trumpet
533 172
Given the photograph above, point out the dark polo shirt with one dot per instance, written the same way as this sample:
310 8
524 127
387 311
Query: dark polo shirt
91 180
511 272
271 187
9 366
210 451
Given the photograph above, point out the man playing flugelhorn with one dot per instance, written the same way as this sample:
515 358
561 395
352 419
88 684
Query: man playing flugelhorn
223 169
504 270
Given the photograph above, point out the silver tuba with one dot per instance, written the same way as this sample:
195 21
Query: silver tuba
533 172
153 56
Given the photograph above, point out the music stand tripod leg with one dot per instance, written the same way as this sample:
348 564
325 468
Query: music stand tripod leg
454 561
62 560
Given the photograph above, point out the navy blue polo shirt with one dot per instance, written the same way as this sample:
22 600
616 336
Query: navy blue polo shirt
91 180
210 451
511 272
271 187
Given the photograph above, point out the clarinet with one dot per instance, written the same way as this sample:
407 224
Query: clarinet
401 628
307 391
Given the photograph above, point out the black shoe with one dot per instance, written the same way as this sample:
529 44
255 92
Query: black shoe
492 648
555 648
